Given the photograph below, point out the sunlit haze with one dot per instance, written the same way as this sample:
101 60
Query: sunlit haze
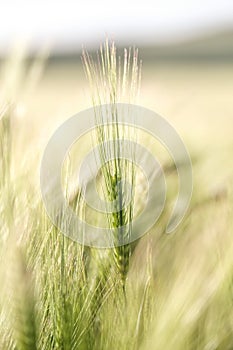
64 24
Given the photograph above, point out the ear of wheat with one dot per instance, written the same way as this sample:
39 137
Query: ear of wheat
111 82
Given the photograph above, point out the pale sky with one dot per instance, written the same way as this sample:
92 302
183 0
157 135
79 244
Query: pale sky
65 23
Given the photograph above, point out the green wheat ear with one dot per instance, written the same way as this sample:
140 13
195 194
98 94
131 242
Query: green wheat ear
113 81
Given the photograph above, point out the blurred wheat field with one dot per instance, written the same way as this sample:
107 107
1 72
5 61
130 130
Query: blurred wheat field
56 294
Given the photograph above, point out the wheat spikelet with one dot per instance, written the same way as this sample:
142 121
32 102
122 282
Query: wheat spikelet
112 82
